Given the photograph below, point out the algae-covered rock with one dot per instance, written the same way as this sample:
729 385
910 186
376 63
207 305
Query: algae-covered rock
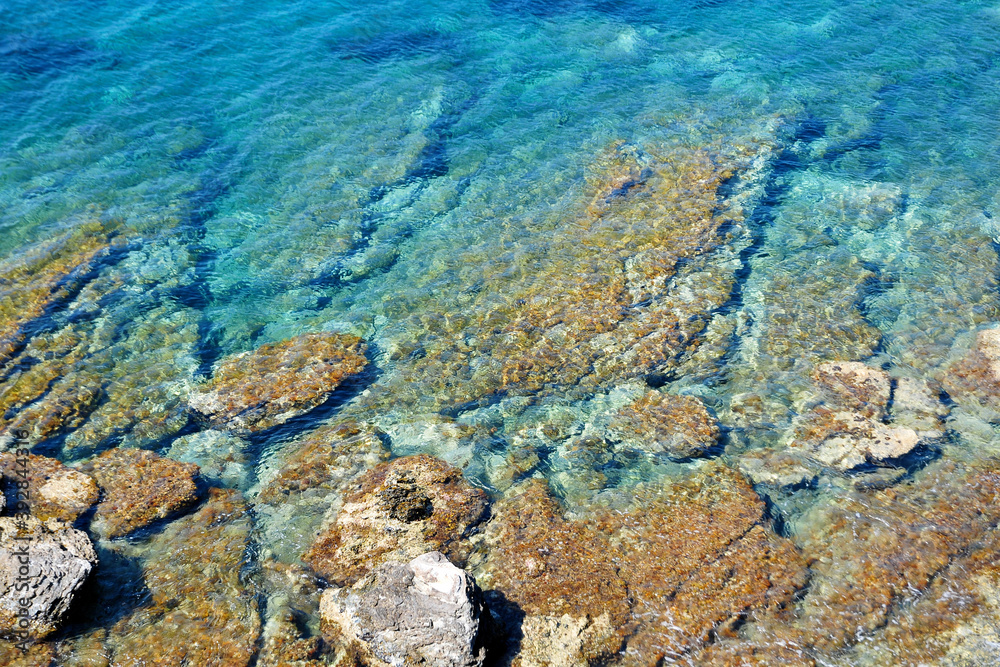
201 611
139 487
42 566
270 385
654 578
395 512
678 426
54 491
426 611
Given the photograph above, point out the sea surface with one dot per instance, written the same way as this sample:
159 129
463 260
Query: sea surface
472 188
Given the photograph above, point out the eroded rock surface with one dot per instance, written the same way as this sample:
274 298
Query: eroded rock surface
54 561
395 512
849 429
425 612
256 390
139 487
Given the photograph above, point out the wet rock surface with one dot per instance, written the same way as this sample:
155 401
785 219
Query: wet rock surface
54 490
54 561
138 488
426 611
201 611
396 511
256 390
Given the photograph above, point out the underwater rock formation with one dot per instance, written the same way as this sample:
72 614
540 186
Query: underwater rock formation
54 490
657 422
139 487
655 578
617 285
426 611
46 273
395 512
848 429
257 390
54 560
201 610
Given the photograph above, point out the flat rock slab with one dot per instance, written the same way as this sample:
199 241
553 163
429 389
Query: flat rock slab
425 612
256 390
42 566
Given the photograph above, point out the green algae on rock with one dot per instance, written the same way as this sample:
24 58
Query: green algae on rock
396 511
256 390
201 611
139 487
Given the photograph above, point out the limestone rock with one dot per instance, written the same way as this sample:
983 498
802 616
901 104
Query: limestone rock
916 405
396 511
56 560
425 612
256 390
777 469
857 386
139 487
657 422
848 429
55 491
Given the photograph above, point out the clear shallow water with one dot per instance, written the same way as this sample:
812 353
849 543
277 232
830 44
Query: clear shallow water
401 171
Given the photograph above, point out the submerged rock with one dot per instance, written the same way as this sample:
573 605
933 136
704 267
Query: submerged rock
42 566
54 491
139 487
654 578
426 611
307 480
848 429
396 511
256 390
200 611
657 422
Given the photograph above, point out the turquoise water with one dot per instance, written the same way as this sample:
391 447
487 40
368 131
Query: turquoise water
399 171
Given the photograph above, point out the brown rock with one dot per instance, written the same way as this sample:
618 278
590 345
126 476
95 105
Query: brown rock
54 490
653 580
139 487
201 611
270 385
395 512
678 426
